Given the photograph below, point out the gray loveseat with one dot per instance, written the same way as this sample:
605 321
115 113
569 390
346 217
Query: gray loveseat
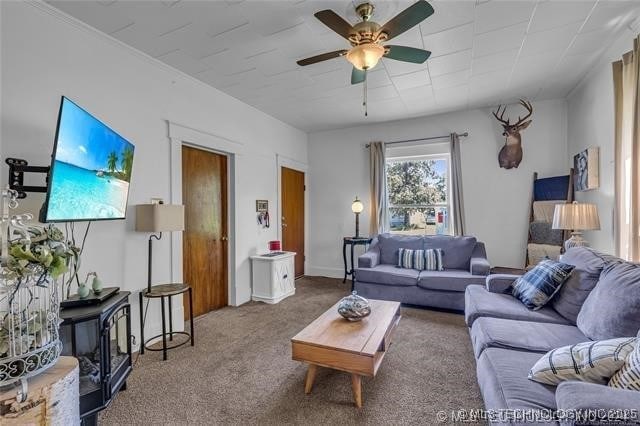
600 300
378 277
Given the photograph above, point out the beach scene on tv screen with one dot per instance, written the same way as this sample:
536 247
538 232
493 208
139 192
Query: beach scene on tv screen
91 169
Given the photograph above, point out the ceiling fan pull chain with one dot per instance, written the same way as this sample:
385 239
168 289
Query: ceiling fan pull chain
364 97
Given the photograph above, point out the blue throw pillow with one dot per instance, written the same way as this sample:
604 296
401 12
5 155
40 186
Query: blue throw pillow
411 259
539 285
433 260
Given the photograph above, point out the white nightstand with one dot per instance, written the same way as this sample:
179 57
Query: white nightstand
273 277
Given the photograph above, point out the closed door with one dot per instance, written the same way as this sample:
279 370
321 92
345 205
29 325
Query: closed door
292 187
205 241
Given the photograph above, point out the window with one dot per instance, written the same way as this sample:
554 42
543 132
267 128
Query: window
418 191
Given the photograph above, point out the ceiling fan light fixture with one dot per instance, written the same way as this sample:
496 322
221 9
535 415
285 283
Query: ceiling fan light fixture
365 56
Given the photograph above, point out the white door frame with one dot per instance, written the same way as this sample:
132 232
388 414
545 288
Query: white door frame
180 136
290 163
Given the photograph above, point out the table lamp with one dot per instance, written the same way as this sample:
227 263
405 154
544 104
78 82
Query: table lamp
158 218
356 208
576 217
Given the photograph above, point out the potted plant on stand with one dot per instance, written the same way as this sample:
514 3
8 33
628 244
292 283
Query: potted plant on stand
33 260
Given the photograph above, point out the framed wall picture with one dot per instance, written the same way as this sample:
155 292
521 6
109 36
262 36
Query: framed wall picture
586 169
262 206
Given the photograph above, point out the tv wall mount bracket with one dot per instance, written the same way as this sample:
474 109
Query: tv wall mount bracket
17 169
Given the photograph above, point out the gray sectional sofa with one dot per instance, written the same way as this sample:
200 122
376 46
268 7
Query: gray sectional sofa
378 277
600 300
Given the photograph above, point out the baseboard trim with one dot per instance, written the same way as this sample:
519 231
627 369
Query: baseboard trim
324 271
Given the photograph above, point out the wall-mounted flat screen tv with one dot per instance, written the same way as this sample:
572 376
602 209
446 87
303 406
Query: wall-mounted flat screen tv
90 169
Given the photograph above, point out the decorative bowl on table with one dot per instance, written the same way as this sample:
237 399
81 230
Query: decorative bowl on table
354 307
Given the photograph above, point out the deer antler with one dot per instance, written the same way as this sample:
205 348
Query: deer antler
529 108
500 118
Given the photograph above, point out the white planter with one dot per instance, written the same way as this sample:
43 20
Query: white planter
29 319
273 277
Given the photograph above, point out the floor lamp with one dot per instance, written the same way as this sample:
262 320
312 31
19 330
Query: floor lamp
158 218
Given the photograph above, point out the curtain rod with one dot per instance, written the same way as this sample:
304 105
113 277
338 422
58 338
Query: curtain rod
464 135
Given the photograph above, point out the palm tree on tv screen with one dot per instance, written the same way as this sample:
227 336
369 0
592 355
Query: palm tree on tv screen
112 161
127 163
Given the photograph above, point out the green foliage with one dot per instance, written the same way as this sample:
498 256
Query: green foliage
45 251
411 183
112 161
127 163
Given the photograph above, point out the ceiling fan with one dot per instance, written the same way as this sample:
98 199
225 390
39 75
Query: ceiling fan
366 38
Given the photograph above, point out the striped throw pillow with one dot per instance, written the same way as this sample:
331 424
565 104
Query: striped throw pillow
433 260
539 285
628 377
594 362
411 259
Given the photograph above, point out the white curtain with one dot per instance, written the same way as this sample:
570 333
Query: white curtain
379 216
626 81
457 200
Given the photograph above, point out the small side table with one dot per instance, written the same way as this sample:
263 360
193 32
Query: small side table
161 291
273 276
352 241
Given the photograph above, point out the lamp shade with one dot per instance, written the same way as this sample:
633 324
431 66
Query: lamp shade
576 216
159 217
357 206
365 56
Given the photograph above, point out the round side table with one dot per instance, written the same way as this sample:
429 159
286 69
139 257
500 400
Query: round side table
163 291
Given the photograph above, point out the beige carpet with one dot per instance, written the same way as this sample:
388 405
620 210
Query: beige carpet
240 371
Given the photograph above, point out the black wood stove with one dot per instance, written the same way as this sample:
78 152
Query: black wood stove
100 337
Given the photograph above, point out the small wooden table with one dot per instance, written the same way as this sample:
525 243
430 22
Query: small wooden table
161 291
355 347
351 242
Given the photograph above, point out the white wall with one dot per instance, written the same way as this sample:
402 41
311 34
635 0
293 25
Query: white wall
591 123
46 55
496 200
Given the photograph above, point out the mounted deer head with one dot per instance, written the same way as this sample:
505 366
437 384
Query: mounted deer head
511 153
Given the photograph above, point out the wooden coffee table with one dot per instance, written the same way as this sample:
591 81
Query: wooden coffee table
355 347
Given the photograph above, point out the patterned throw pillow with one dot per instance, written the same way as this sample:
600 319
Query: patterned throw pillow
433 260
593 362
539 285
411 259
628 377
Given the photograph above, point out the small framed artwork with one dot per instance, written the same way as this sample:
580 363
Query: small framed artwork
586 169
262 206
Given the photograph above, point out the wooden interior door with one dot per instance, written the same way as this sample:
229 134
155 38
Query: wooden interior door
205 240
292 187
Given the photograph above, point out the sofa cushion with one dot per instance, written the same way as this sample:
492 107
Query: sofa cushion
481 303
613 307
539 285
593 362
527 336
588 266
411 259
628 377
456 250
387 275
390 244
448 280
433 260
502 376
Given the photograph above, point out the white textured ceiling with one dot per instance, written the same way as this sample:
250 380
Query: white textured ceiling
483 52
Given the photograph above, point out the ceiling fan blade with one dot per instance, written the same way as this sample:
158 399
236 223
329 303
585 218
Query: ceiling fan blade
407 19
407 54
320 58
357 76
335 22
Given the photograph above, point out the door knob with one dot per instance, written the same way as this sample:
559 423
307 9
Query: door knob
224 238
